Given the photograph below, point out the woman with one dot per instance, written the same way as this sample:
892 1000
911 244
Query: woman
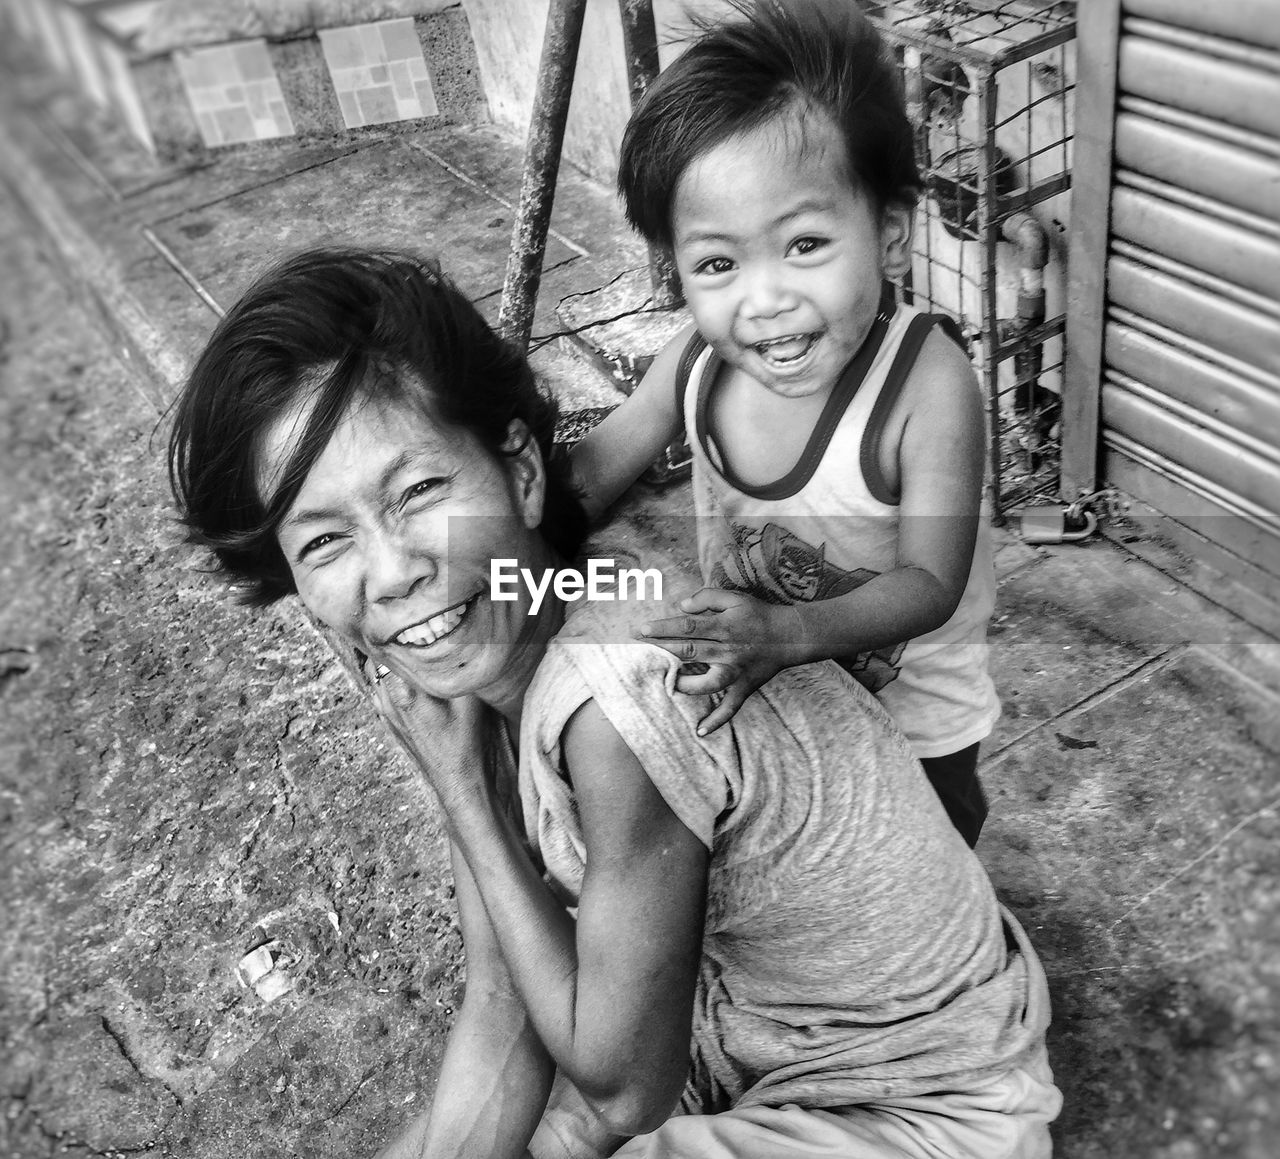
765 942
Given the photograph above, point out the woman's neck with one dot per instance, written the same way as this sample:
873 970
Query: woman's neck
507 696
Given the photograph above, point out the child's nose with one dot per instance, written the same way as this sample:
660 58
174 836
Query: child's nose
766 294
394 567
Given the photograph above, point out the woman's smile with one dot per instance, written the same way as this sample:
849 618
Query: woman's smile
429 632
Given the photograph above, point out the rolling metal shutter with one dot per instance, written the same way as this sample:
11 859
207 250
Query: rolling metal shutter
1190 393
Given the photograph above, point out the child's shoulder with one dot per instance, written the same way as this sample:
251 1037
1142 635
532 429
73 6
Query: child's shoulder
941 356
941 378
936 431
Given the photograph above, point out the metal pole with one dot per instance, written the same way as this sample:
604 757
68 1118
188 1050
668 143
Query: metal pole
541 167
989 239
640 45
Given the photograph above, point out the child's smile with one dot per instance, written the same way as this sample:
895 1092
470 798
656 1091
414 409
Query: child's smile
786 351
782 254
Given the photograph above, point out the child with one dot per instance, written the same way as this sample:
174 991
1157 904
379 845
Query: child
838 438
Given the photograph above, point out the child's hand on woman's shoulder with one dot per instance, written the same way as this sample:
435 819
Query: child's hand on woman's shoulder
740 641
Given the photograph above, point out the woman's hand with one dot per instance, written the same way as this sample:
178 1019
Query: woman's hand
446 738
743 642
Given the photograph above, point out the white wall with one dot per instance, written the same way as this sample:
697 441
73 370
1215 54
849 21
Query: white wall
508 36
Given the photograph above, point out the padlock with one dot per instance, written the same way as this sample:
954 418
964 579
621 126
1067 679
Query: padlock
1050 524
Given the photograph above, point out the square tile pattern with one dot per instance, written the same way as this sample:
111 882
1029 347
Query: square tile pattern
378 72
234 93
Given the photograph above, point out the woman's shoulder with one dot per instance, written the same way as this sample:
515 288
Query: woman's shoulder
597 658
599 649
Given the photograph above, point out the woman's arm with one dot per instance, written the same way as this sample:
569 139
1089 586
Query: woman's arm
496 1075
612 998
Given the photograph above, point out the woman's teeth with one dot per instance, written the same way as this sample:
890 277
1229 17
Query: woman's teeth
789 348
436 628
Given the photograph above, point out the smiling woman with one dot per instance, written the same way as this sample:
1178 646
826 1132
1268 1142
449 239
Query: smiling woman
767 941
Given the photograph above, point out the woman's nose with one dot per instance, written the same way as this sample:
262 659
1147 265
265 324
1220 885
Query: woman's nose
395 567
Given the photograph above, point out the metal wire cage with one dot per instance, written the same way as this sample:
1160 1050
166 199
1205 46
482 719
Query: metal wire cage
989 87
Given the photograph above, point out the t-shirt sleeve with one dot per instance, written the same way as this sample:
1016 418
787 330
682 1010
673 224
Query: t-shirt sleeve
633 684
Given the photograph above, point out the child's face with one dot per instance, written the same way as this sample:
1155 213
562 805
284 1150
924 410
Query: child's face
782 256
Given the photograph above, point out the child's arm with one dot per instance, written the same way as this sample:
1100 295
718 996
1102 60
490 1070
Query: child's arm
616 453
938 429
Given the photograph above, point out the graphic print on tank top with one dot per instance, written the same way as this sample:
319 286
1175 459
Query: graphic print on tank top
774 564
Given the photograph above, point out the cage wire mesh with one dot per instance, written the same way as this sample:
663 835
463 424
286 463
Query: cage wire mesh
989 88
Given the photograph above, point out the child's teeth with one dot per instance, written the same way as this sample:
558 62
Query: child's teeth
785 349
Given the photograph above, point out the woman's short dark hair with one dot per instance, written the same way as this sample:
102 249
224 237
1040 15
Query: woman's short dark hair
346 325
740 72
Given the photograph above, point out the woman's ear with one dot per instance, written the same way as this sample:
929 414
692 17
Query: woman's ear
526 471
897 225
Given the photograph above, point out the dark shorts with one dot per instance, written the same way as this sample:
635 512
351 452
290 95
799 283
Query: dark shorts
955 780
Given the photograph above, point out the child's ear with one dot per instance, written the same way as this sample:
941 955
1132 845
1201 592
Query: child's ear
526 471
897 225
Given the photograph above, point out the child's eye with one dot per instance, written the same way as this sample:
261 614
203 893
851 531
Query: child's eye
713 266
807 245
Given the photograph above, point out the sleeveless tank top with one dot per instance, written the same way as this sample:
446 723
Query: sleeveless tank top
831 524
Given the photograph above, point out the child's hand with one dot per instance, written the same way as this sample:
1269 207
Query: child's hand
743 641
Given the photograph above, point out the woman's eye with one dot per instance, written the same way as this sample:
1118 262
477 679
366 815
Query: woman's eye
713 266
313 546
421 488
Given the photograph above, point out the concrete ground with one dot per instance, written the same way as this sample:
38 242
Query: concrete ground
183 782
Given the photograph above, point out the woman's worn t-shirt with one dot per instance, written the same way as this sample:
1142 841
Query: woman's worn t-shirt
853 947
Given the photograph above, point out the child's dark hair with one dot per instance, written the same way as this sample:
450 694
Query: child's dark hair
347 325
766 58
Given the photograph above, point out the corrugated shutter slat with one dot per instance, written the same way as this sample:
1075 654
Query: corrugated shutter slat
1250 408
1237 177
1237 472
1198 83
1252 20
1226 251
1202 315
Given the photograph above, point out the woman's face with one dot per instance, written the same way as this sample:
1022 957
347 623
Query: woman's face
391 536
